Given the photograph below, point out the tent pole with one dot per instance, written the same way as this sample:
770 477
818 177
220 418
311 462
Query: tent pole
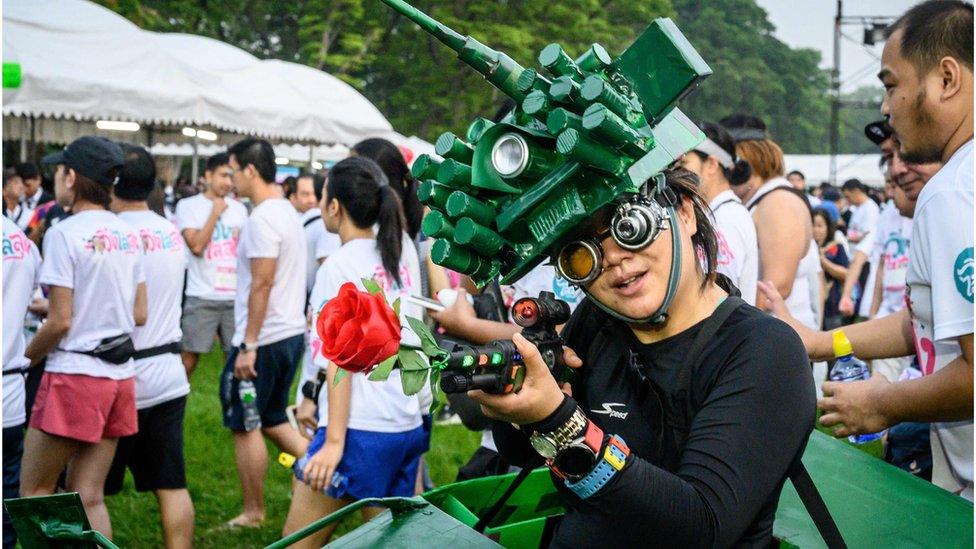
23 143
194 169
149 136
33 140
311 157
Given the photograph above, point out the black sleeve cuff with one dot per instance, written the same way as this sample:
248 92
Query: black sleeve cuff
555 420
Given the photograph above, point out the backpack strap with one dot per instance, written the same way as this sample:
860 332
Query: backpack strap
816 507
681 407
311 220
800 194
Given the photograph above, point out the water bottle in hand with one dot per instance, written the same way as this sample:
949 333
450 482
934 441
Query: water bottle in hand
850 368
248 394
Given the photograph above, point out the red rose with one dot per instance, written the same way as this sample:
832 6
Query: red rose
358 330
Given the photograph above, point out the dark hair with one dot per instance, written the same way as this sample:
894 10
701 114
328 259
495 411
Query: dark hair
90 191
257 153
686 184
8 175
318 183
26 170
744 121
752 144
290 185
138 176
361 188
388 157
830 194
217 160
933 30
799 173
854 184
831 226
741 171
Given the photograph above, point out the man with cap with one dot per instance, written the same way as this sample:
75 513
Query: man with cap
86 400
927 71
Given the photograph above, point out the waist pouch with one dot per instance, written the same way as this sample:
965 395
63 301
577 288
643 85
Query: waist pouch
116 350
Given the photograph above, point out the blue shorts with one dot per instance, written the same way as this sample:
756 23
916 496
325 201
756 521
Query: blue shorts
275 364
373 465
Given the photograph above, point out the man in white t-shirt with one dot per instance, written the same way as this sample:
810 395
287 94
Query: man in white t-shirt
865 216
799 182
13 194
269 324
154 455
927 71
21 268
319 242
210 222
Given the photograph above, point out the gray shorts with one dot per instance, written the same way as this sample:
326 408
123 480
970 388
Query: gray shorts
202 319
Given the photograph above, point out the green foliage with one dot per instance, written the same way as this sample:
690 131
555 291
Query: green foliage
413 381
382 372
427 341
424 90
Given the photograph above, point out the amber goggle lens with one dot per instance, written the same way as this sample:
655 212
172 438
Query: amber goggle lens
579 262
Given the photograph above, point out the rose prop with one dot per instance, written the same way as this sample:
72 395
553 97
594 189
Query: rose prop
360 332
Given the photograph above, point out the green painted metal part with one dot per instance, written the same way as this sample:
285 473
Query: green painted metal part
12 75
873 503
53 521
590 133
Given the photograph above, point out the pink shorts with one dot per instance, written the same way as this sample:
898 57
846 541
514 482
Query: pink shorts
85 408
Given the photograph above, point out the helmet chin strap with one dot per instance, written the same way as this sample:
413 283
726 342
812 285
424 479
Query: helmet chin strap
660 316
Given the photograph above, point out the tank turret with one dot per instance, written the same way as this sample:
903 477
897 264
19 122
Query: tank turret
585 131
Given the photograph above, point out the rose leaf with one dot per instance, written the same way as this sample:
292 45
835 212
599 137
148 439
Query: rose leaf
372 287
382 372
340 373
396 306
427 341
412 381
411 360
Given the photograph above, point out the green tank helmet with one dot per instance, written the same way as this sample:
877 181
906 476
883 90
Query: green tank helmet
580 138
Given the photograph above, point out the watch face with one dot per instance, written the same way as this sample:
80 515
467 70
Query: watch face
575 461
543 445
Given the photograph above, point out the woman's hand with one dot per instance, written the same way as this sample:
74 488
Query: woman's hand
320 467
455 318
305 416
539 397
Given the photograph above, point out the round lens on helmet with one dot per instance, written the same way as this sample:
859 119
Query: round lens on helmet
510 155
579 262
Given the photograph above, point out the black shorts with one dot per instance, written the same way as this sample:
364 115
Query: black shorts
275 364
155 453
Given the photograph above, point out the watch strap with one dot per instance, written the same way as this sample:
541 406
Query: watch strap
613 460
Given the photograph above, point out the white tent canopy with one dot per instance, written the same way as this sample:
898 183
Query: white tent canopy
816 168
82 62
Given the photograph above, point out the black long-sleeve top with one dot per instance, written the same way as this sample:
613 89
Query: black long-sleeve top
755 405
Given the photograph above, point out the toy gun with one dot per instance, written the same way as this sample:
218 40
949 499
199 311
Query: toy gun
589 132
498 367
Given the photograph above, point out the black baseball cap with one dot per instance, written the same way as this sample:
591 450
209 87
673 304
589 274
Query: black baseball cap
878 132
96 158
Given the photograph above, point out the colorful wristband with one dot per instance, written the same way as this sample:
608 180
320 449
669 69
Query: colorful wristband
613 460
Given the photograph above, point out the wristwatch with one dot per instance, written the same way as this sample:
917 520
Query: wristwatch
548 444
246 347
576 460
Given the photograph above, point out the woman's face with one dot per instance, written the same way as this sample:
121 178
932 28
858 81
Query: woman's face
819 229
634 283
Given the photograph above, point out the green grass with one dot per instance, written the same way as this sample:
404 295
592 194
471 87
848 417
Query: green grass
213 484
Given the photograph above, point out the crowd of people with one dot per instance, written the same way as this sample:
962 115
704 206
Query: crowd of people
109 304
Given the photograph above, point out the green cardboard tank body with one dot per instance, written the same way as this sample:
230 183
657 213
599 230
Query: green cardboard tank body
585 132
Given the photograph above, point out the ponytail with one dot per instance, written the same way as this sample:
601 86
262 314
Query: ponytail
388 157
740 173
362 189
389 237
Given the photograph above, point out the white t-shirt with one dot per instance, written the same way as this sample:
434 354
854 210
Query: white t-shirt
20 215
319 242
159 378
940 292
864 219
99 257
378 406
21 267
273 231
214 275
738 252
866 246
892 243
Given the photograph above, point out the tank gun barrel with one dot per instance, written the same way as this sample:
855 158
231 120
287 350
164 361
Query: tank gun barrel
499 69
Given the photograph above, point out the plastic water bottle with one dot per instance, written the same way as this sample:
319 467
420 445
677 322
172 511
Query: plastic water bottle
850 368
248 394
338 481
